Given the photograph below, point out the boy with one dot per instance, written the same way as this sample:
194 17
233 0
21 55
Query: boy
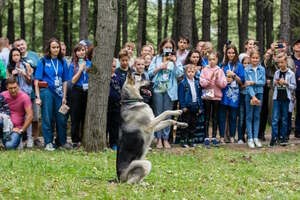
284 84
182 51
190 102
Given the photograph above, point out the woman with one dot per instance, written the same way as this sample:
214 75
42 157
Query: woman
51 77
164 73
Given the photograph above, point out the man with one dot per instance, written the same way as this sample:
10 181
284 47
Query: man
31 58
21 113
182 52
296 59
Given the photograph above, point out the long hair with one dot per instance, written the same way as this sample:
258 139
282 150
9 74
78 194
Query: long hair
236 57
12 64
75 58
47 49
188 58
162 44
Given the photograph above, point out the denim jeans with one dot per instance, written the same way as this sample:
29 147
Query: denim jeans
51 103
11 140
232 117
161 103
297 122
280 111
242 118
253 116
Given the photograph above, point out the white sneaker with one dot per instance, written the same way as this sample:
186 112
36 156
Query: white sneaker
49 147
21 145
29 143
257 143
251 143
240 142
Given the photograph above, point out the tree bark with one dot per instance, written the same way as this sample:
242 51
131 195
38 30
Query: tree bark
243 22
159 22
176 20
260 25
2 4
206 20
195 37
124 22
84 17
100 74
269 23
95 16
10 22
167 7
141 30
48 21
33 25
295 20
66 25
22 19
185 20
284 32
118 37
222 25
71 25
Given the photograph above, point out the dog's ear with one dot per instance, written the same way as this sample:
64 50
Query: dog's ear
130 77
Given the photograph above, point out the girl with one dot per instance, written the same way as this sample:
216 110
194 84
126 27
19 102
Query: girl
194 58
255 80
242 109
51 77
235 76
164 73
212 80
79 73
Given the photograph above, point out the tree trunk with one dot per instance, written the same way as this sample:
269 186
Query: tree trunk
100 74
206 20
295 20
159 22
269 23
185 20
22 19
167 7
222 25
71 25
95 16
2 4
48 21
176 20
84 16
141 30
260 25
66 26
124 22
0 26
10 22
118 38
284 32
33 25
195 37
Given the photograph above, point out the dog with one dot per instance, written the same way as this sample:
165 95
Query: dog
137 131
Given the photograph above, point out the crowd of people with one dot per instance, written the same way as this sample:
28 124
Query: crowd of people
229 93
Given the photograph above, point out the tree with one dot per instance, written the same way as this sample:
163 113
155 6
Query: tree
284 32
33 36
195 37
10 22
49 27
185 20
269 22
167 7
142 21
71 24
2 4
222 25
206 20
100 74
22 19
95 15
84 16
260 25
118 37
66 25
159 22
124 22
176 19
243 23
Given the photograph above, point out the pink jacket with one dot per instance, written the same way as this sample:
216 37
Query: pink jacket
213 78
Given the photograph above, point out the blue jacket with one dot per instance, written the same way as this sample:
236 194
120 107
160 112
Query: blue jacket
185 95
175 73
231 93
260 81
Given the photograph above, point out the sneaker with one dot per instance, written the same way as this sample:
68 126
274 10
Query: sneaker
222 141
37 143
215 142
206 142
185 146
240 142
21 145
273 142
283 142
251 143
257 143
29 143
49 147
231 140
66 146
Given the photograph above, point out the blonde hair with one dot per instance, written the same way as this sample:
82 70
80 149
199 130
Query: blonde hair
138 59
190 66
129 44
253 52
282 55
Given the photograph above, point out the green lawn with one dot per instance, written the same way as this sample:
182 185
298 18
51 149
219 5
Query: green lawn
218 173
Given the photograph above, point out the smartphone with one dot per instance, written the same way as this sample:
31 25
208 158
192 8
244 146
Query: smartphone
280 46
80 61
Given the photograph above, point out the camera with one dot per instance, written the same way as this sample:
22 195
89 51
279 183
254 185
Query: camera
279 45
228 43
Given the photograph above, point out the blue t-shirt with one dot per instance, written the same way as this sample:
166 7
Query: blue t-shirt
231 93
31 58
48 73
84 77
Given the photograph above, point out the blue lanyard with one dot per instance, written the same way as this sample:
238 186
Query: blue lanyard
205 63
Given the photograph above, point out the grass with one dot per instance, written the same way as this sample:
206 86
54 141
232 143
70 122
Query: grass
221 173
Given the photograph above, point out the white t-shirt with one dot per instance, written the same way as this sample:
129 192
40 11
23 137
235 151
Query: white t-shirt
193 89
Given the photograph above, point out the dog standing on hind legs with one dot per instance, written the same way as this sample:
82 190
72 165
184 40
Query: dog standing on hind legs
137 131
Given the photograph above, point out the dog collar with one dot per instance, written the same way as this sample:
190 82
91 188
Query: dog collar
129 101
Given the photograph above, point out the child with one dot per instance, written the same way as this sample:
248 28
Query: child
148 59
284 83
182 51
140 75
242 109
189 94
194 58
78 70
212 80
255 80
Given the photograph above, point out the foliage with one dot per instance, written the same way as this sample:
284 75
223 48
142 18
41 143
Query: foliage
220 173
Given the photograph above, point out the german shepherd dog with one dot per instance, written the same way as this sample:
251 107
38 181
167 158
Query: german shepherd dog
137 131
